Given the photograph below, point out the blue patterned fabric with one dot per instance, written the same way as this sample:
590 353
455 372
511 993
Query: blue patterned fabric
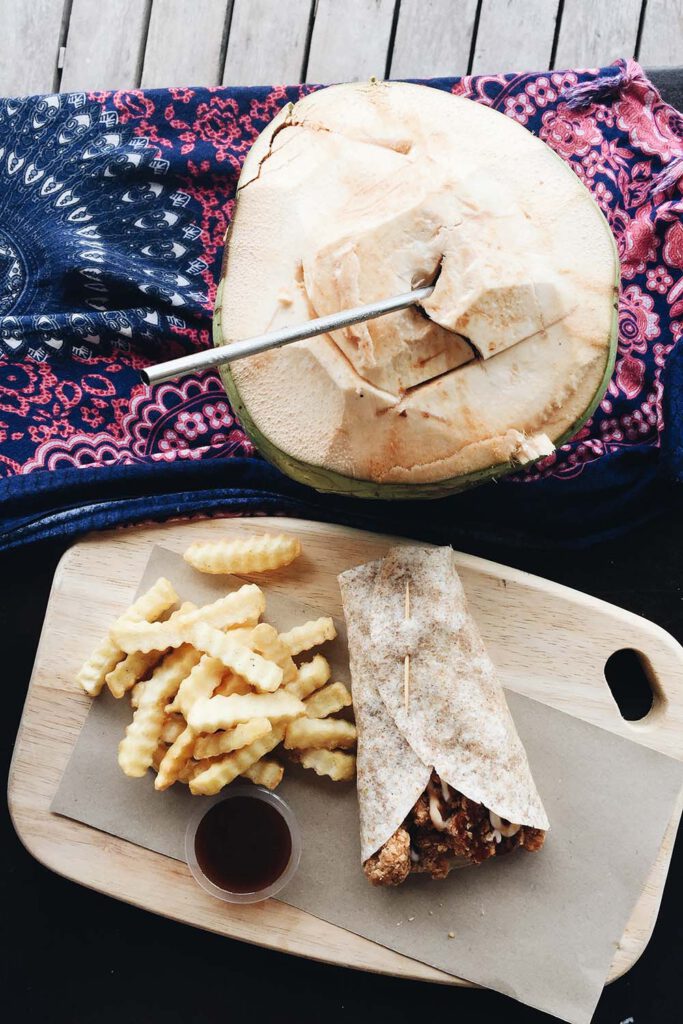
113 209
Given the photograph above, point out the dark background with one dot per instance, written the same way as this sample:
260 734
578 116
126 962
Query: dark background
74 955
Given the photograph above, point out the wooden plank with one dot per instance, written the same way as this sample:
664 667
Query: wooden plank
433 38
104 44
661 44
96 579
30 42
591 36
184 43
350 40
267 41
514 36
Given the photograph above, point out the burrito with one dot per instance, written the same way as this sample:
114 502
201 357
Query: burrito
443 779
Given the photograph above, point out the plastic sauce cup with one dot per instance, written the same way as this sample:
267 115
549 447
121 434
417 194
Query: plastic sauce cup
243 845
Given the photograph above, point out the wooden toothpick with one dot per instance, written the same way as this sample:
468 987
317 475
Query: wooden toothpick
406 660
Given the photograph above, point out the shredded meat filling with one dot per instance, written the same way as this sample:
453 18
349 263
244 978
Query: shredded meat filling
466 832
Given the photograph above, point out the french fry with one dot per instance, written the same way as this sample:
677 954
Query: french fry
242 606
310 677
340 767
135 666
136 749
265 772
172 728
241 635
153 603
136 694
201 682
175 759
108 653
228 767
262 674
232 684
214 713
159 754
319 734
266 642
310 634
130 671
247 554
328 701
234 739
189 769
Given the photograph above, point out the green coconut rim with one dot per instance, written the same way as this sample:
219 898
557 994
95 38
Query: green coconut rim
329 481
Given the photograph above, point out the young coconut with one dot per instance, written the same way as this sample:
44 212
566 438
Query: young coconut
358 192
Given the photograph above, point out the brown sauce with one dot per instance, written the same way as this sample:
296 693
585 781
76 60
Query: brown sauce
243 844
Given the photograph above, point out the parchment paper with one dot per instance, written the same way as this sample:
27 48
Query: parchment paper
541 928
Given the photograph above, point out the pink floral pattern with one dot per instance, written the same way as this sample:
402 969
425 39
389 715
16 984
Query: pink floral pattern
616 148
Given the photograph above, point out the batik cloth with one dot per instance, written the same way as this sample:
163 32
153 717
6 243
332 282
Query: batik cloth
113 210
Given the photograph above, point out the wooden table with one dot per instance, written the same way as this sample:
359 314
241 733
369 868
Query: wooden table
73 45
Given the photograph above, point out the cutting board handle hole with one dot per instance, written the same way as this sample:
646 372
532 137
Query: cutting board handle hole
629 678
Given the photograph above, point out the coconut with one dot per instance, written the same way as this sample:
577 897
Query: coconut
363 191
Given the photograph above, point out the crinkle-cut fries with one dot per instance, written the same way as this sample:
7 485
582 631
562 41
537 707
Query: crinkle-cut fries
214 690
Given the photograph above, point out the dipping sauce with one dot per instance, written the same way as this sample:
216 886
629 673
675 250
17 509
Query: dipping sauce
243 844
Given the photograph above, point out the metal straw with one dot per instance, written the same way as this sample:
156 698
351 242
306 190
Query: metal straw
175 368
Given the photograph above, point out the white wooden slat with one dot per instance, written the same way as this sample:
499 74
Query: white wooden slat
30 45
267 41
103 44
433 38
661 44
184 43
514 36
350 40
592 34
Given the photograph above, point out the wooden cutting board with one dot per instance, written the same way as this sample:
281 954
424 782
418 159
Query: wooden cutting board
550 643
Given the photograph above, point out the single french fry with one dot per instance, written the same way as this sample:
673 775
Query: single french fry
340 767
265 772
328 701
136 693
214 713
234 739
159 754
266 642
241 635
136 666
153 603
201 682
136 749
172 727
310 634
175 759
188 770
108 653
93 672
319 734
194 768
232 683
244 554
130 671
229 766
242 606
262 674
310 677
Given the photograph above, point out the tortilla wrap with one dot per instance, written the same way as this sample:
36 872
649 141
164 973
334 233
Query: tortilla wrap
457 721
